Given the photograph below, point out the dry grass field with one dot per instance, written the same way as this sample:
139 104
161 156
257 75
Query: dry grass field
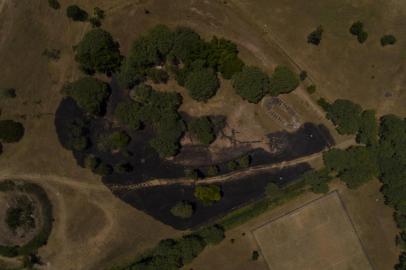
319 235
340 66
93 229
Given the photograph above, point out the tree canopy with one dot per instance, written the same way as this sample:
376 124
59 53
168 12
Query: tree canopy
182 210
11 131
202 129
251 84
208 194
345 115
357 29
315 36
283 80
89 93
75 13
388 40
202 84
98 52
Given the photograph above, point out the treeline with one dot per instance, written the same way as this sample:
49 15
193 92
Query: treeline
173 254
382 155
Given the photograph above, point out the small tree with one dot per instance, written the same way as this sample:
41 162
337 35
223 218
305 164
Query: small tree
6 93
212 170
129 113
255 255
311 89
182 210
388 40
303 75
202 129
123 167
244 161
208 194
11 131
54 4
251 84
202 84
103 169
232 165
158 75
211 234
118 140
75 13
315 36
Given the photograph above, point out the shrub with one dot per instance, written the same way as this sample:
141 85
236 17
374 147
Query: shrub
54 4
315 36
244 161
251 84
311 89
75 13
202 129
208 194
202 84
232 165
255 255
357 28
97 51
303 75
388 40
91 162
103 169
212 170
11 131
362 37
118 140
182 210
89 93
52 54
158 75
283 80
211 235
273 190
129 113
6 93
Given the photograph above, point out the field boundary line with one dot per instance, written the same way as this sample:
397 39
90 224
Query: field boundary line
293 211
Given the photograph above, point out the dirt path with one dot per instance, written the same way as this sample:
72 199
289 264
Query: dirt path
232 175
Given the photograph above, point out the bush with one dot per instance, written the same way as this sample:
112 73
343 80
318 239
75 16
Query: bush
283 81
255 255
75 13
303 75
54 4
244 161
11 131
212 171
6 93
118 140
208 194
232 165
273 190
362 37
89 93
158 75
315 36
211 235
182 210
97 51
202 129
311 89
103 169
388 40
129 114
251 84
202 84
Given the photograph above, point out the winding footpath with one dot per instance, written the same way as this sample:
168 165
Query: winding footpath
232 176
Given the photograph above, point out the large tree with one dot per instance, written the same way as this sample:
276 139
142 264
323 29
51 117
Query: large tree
251 84
202 129
283 80
97 51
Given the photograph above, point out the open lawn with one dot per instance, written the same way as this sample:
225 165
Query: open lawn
318 235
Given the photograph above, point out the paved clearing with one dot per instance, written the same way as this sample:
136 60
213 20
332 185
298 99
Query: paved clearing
317 236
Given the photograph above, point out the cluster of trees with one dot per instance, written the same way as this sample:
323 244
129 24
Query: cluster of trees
89 93
240 163
159 109
98 52
252 84
349 118
357 29
203 129
173 254
75 13
208 194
